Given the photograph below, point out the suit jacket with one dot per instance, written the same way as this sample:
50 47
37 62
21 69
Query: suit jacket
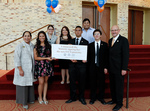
82 42
118 55
24 57
103 56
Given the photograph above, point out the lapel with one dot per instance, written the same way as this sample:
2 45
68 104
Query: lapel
81 41
93 46
93 49
116 42
110 42
101 47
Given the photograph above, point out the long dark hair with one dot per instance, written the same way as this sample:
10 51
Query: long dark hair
69 36
38 44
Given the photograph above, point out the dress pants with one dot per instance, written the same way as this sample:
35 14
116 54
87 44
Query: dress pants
24 94
117 87
97 81
77 72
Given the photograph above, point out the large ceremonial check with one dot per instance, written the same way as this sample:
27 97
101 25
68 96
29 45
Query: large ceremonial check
73 52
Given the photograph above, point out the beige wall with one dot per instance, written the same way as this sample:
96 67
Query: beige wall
16 16
146 27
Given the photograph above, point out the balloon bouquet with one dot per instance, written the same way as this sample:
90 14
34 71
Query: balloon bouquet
51 5
100 4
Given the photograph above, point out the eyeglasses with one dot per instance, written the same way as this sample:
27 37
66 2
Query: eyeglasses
114 30
50 29
96 34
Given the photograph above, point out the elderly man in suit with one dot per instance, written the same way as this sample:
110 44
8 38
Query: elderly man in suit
97 61
118 64
77 69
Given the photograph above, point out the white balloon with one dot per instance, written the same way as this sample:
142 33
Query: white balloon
58 8
105 1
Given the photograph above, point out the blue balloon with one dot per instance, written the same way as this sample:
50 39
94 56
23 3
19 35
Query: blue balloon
49 10
101 3
54 3
48 3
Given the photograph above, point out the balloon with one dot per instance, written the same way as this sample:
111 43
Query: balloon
100 9
52 9
54 3
95 2
48 3
100 3
49 10
105 1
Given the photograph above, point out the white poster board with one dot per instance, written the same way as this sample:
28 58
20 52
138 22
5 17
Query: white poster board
70 52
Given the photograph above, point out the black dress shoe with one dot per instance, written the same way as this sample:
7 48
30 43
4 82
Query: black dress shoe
91 101
117 107
102 101
82 101
70 101
110 102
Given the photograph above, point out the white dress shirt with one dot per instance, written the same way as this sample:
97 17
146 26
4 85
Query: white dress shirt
79 39
116 38
99 42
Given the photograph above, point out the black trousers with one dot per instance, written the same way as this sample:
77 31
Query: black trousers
97 81
117 87
77 72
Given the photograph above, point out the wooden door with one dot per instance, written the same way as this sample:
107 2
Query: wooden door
104 23
88 12
135 27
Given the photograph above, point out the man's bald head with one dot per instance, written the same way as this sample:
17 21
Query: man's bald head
115 30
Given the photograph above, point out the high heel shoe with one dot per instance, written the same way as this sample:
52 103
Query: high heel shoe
68 82
45 102
41 102
62 82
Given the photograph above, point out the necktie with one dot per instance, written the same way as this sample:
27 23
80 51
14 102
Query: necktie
77 41
112 43
97 63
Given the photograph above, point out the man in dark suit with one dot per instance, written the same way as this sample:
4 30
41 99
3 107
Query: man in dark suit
97 61
77 69
118 64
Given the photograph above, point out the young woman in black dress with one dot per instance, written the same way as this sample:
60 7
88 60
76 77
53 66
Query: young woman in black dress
64 64
43 66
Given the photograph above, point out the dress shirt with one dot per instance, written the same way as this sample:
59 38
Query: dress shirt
99 42
116 38
88 35
79 39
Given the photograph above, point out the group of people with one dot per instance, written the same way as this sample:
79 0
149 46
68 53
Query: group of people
34 62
